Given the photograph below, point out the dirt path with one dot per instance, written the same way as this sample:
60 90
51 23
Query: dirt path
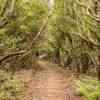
51 83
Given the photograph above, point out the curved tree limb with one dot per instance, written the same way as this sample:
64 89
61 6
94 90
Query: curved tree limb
88 40
11 55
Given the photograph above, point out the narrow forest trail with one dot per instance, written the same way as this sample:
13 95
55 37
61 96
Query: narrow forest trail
51 83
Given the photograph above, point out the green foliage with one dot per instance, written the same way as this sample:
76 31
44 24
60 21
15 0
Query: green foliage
89 87
27 17
31 14
72 29
9 41
10 87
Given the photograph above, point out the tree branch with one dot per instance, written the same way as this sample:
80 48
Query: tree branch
11 55
26 52
88 40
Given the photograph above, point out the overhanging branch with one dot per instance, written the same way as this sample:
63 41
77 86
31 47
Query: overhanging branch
26 52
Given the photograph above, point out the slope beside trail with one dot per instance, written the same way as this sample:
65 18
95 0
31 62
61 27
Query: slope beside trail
49 83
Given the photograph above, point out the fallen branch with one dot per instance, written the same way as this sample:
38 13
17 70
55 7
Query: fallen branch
11 55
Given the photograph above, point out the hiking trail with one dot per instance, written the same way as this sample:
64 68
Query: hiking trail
51 83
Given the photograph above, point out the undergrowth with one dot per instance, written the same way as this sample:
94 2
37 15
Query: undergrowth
88 87
10 87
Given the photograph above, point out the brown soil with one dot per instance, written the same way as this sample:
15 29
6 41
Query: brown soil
51 83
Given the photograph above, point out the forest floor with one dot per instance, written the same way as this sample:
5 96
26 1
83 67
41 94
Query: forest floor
49 83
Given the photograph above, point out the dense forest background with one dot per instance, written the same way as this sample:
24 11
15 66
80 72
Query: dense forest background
65 32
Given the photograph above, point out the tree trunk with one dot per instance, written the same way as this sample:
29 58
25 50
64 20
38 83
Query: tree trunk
98 67
98 72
